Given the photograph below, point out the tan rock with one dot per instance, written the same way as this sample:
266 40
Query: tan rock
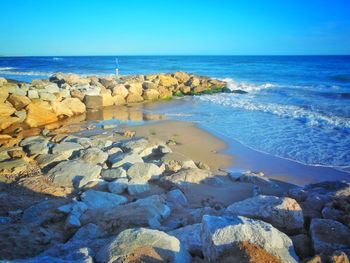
6 122
107 99
120 90
185 89
133 98
164 93
135 88
151 77
18 101
6 109
193 82
93 102
77 94
39 114
167 81
2 81
61 110
119 100
182 77
3 94
150 94
75 105
74 79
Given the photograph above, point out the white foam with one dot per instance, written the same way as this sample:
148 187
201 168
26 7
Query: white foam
28 73
313 118
248 87
56 58
6 68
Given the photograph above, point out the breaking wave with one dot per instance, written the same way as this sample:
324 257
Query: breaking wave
248 87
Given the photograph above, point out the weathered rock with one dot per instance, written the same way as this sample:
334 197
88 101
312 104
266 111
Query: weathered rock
47 96
75 105
134 98
66 148
94 156
77 94
49 160
93 102
107 100
38 146
112 174
97 199
175 161
135 188
6 109
143 245
185 178
51 88
143 172
149 85
283 213
19 102
150 94
176 198
33 94
89 231
74 173
339 257
135 88
2 81
118 186
120 90
118 100
302 245
167 81
22 115
221 234
6 122
38 115
190 237
329 235
13 166
257 179
124 159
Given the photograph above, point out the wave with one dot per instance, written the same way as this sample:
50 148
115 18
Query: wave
6 68
56 58
25 73
287 111
248 87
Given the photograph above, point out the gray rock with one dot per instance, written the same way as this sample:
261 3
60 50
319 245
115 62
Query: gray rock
49 160
13 166
185 178
190 237
329 235
112 174
94 156
135 188
66 147
302 245
175 161
177 198
40 146
143 172
283 213
47 96
74 173
124 159
141 243
220 234
97 199
88 232
332 213
256 179
51 88
85 142
118 186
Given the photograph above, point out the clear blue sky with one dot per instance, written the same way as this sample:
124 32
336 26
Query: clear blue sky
136 27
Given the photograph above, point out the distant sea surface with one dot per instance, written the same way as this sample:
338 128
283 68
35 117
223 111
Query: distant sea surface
297 107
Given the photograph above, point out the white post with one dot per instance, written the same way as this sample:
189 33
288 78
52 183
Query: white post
116 68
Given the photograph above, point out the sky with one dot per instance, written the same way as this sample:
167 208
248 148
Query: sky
169 27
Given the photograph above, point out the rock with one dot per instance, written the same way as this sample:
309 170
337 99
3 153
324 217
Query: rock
135 188
134 98
222 234
140 146
93 102
190 237
74 173
112 174
150 94
52 88
329 235
118 100
6 109
302 245
120 90
75 105
33 94
22 115
66 148
181 76
149 85
193 82
259 180
49 160
13 166
148 211
19 102
38 115
283 213
167 81
143 172
339 257
89 231
38 146
164 93
332 213
185 178
94 156
118 186
177 198
61 110
143 245
6 122
77 94
97 199
176 161
47 96
124 159
135 88
2 81
107 100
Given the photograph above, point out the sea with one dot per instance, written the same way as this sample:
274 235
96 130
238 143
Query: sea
296 107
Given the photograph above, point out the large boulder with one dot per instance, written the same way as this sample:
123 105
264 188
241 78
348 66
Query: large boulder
190 237
94 156
143 172
6 122
175 161
124 159
66 148
329 235
185 178
93 102
39 114
143 245
120 90
134 98
150 94
97 199
6 109
222 235
74 173
283 213
75 105
135 88
167 81
18 101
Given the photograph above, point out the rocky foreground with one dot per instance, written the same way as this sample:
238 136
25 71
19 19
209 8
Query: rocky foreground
113 197
64 95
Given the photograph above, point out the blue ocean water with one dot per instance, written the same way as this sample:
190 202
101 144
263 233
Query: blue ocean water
297 107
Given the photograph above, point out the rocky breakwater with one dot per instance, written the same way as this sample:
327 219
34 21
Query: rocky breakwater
64 95
135 200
